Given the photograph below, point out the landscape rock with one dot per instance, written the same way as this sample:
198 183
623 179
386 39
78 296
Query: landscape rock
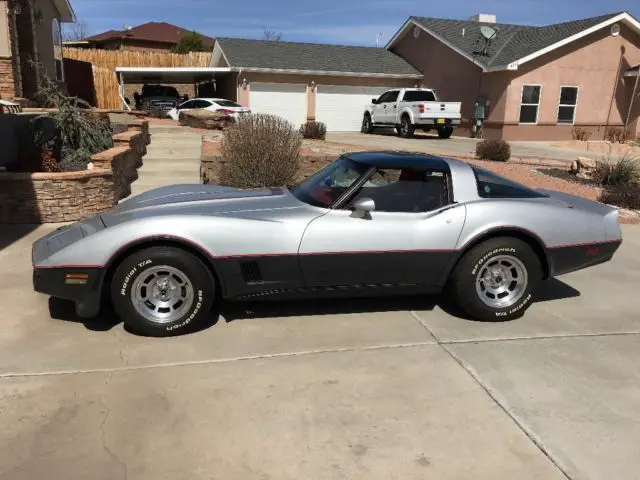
205 119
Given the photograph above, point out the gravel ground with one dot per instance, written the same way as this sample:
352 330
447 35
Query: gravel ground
534 177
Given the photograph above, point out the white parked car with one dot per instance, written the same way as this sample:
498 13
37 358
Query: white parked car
211 104
410 109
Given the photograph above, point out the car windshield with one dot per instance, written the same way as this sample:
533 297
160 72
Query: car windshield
323 188
227 103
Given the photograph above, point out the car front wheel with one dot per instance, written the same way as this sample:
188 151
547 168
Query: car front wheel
367 124
496 280
162 291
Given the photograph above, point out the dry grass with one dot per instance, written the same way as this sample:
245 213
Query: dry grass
105 62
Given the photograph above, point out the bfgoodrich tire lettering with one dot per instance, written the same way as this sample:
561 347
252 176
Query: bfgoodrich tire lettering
188 287
506 265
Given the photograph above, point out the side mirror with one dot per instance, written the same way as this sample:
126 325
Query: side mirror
363 206
374 101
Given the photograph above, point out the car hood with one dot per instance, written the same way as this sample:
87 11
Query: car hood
194 199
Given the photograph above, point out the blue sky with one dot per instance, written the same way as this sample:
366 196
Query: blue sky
356 22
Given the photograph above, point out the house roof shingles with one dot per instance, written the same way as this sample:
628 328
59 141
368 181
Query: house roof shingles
278 55
159 32
513 41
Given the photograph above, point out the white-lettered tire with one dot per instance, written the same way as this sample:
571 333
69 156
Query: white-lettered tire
496 280
162 291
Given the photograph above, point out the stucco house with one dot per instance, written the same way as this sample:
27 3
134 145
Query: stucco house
30 29
540 82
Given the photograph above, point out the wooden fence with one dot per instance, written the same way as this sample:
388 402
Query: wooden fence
105 62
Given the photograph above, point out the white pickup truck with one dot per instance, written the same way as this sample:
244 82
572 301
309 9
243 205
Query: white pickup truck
410 109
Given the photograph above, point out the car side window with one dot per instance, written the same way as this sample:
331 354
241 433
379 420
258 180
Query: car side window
384 98
491 185
405 191
187 104
393 96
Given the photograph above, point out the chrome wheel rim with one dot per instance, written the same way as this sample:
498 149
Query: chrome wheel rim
162 294
501 281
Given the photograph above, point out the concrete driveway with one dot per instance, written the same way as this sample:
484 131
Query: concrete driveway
359 389
388 140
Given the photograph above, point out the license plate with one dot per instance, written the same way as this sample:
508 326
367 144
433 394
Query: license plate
440 120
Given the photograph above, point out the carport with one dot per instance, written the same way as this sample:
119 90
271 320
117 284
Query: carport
222 79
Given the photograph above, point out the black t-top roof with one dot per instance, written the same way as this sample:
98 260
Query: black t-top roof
402 160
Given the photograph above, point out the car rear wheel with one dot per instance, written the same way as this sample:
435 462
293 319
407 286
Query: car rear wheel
445 132
162 291
367 124
496 280
406 128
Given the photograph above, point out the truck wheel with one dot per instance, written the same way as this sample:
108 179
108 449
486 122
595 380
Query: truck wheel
445 132
367 124
162 291
406 128
495 281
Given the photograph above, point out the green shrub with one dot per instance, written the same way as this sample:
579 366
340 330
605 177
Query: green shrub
580 134
617 135
624 171
497 150
260 151
313 130
80 129
623 196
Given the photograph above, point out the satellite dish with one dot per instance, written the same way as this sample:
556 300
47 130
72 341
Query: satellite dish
488 32
615 30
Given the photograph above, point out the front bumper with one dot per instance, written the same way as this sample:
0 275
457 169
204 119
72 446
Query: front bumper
87 298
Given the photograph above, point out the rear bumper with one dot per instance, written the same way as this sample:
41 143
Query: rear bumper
87 298
571 258
438 122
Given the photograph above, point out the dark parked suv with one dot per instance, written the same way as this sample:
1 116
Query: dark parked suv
157 99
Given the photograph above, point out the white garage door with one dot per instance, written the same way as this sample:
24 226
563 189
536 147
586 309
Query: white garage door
286 100
341 107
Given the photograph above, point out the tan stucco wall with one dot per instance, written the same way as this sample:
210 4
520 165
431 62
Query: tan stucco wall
454 77
592 64
44 36
5 38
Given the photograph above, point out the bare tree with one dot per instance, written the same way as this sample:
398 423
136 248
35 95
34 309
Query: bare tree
272 35
75 31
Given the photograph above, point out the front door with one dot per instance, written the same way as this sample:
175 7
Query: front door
390 108
407 240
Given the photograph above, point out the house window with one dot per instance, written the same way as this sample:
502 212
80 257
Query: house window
567 105
57 49
530 103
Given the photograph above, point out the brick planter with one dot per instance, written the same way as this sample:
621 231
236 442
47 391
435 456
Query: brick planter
71 196
55 197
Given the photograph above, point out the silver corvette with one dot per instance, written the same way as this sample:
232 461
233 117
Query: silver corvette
389 222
